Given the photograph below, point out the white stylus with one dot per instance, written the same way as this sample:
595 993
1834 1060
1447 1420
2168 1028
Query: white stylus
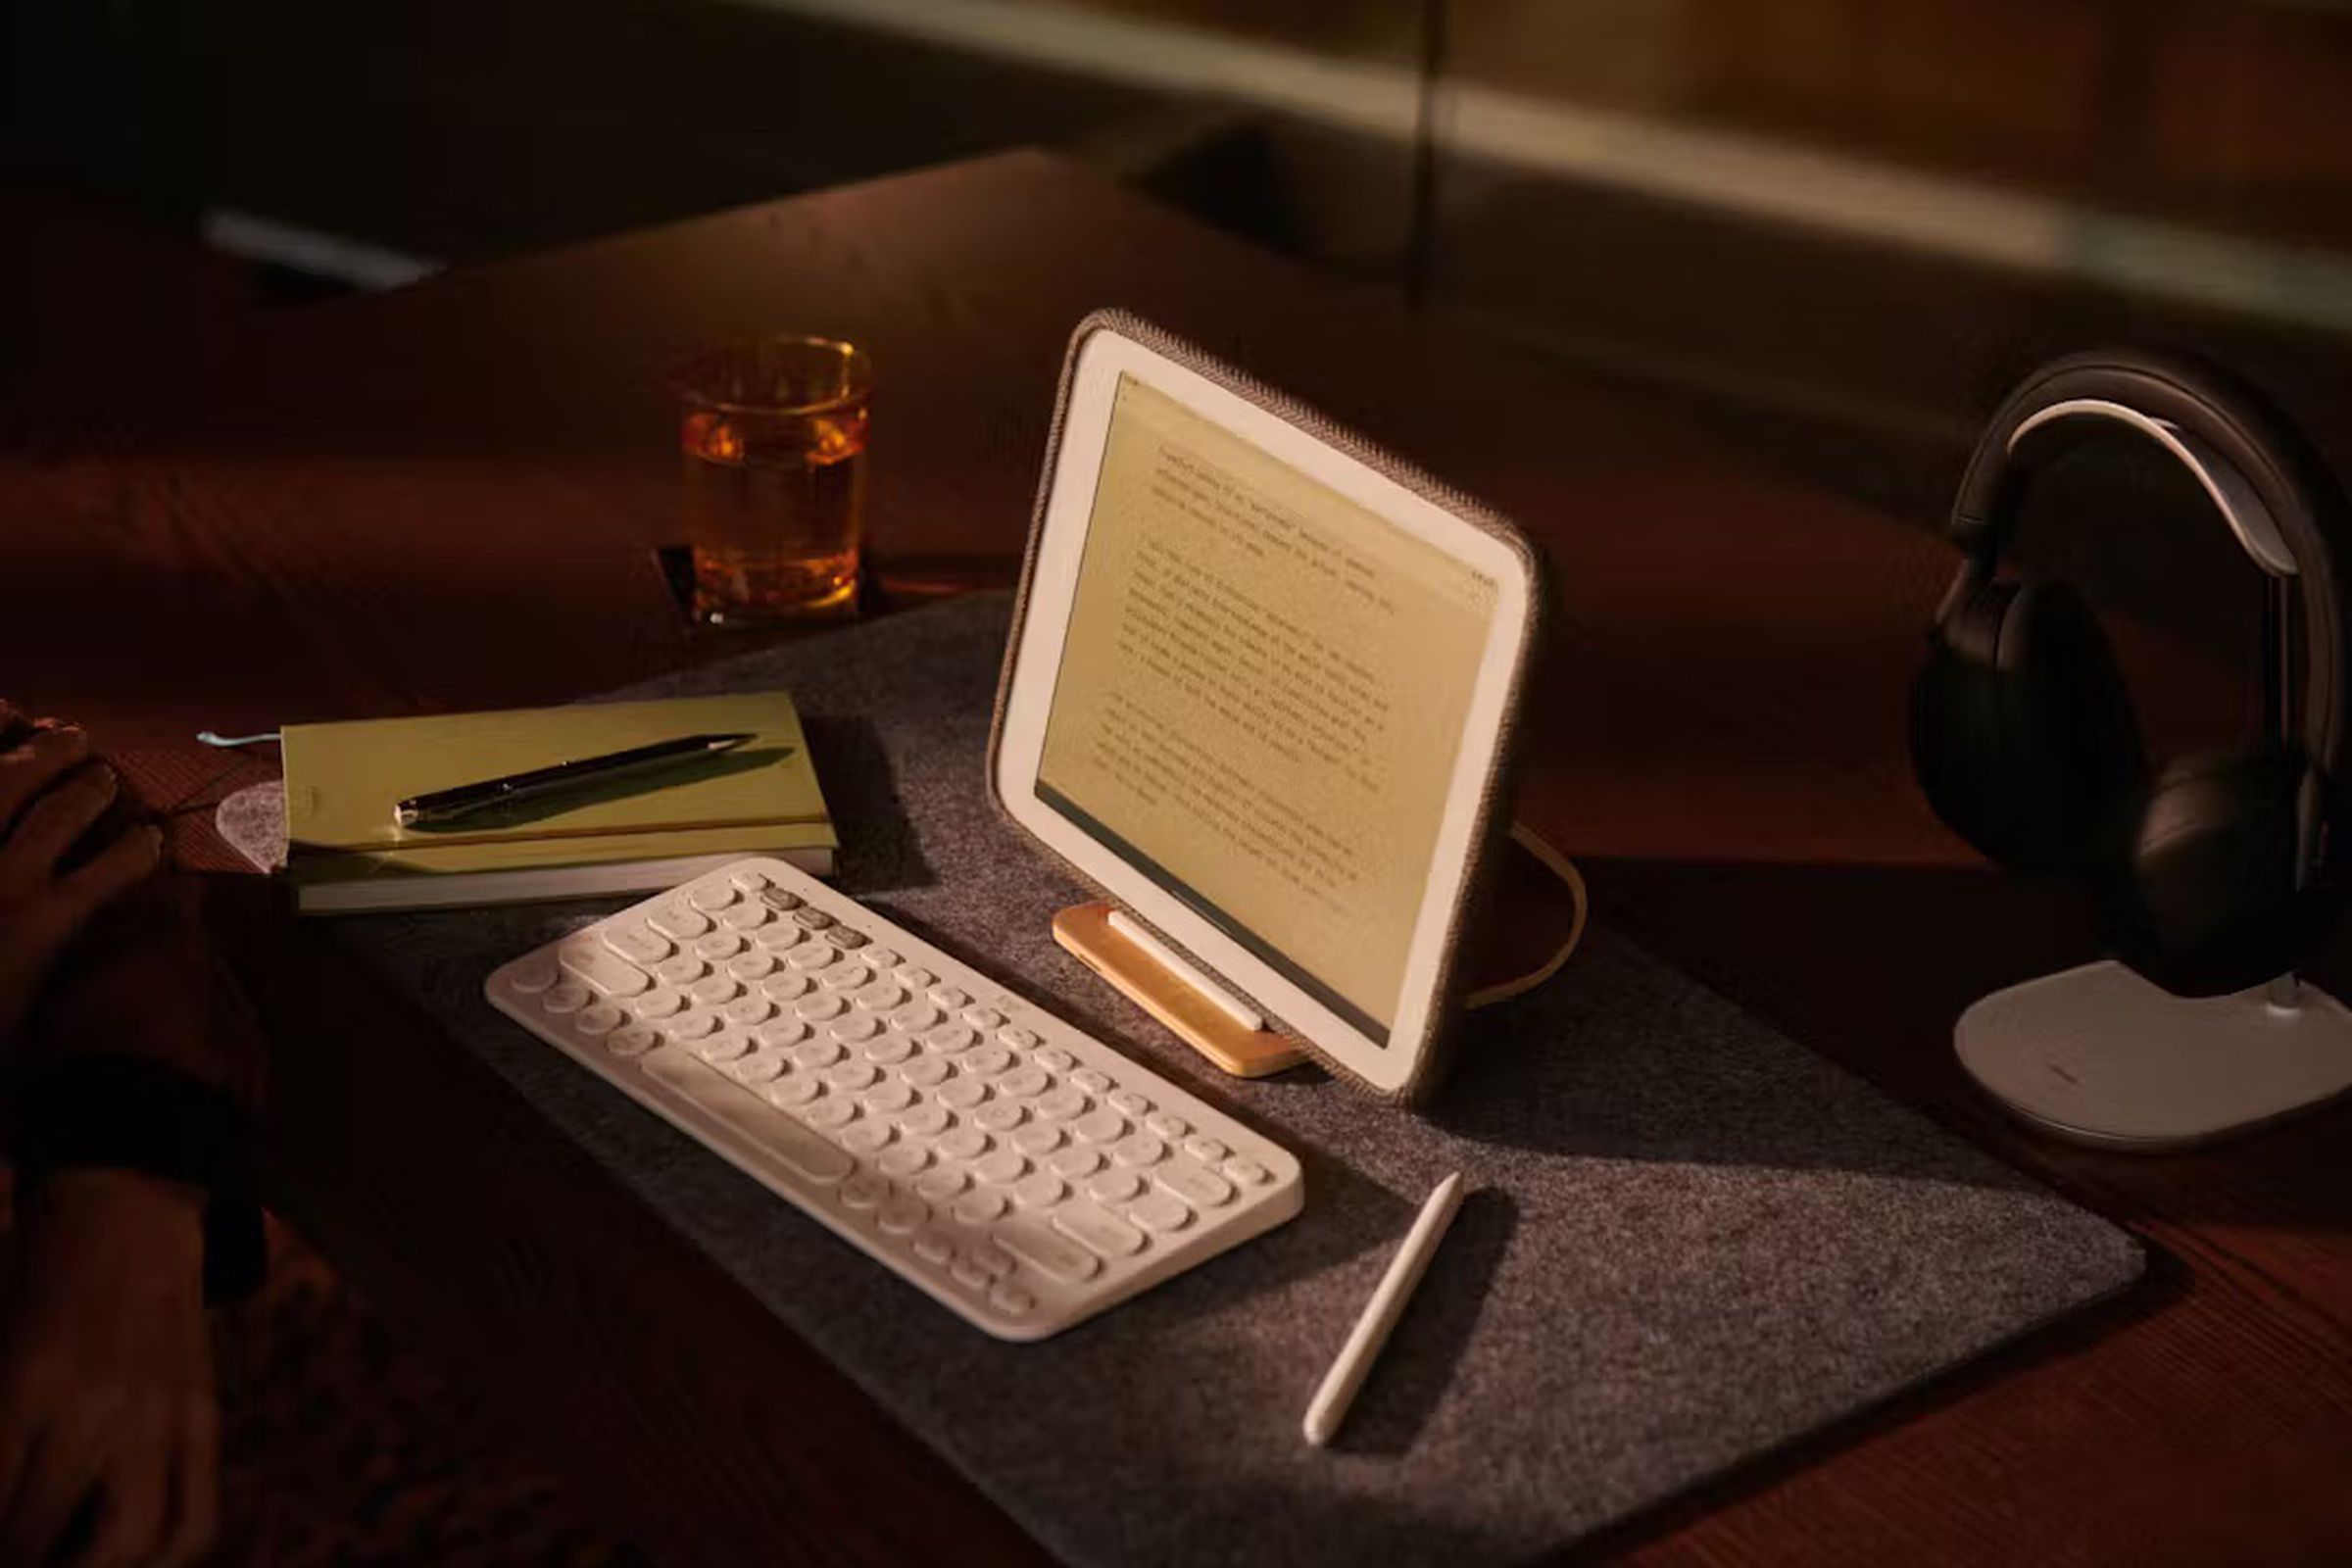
1329 1406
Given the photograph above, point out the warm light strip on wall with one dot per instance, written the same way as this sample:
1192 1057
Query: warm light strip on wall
1753 175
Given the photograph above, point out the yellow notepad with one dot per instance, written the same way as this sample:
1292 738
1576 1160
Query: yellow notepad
630 834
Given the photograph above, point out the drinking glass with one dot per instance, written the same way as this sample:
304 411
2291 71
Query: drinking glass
772 432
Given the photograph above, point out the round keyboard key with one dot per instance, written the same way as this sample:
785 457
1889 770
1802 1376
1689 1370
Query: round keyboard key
1163 1125
1003 1165
784 987
810 955
1075 1163
752 966
925 1121
1159 1212
1053 1057
1127 1100
949 996
903 1216
1248 1172
856 1028
934 1247
964 1143
1114 1187
1024 1083
983 1017
914 977
967 1272
1093 1082
938 1185
949 1038
747 880
882 958
978 1209
713 896
818 1054
992 1258
811 919
680 921
844 936
1140 1150
691 1025
880 997
1039 1189
599 1018
1020 1039
1010 1300
847 975
902 1160
1062 1105
790 1093
832 1112
564 996
927 1072
1100 1126
851 1075
987 1061
531 976
863 1192
821 1007
744 1012
868 1137
780 1035
793 1093
778 936
719 945
725 1046
761 1067
658 1002
915 1017
1038 1140
634 1041
999 1116
712 990
684 970
890 1050
887 1097
747 917
1205 1150
962 1095
781 899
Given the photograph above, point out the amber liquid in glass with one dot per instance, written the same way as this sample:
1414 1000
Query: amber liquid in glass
772 505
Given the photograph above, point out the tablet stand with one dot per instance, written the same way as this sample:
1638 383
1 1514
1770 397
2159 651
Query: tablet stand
2099 1055
1541 890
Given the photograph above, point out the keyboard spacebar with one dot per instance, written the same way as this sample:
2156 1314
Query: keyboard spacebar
747 1126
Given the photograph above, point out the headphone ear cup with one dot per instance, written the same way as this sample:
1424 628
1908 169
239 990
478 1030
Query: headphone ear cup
2021 733
2196 886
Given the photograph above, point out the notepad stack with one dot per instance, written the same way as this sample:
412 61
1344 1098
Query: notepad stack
347 854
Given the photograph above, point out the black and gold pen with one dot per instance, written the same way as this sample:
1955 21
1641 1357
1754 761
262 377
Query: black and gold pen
443 806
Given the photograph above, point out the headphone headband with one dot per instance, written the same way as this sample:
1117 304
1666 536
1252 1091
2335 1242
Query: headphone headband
2261 479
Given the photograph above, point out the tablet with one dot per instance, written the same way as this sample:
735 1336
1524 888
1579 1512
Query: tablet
1261 690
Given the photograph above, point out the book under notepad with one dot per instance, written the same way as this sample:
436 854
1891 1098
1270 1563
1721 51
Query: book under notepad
346 854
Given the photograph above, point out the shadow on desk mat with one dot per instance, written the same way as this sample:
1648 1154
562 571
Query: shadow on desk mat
1693 1243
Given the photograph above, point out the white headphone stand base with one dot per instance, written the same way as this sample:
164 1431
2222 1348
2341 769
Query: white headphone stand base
2098 1055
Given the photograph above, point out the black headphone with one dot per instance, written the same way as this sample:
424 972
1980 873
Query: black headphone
2212 873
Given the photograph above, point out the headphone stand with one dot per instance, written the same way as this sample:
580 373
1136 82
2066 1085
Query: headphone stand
2098 1055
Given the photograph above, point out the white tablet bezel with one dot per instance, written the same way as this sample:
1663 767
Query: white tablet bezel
1065 516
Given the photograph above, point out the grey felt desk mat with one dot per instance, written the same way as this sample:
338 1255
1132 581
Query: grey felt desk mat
1690 1241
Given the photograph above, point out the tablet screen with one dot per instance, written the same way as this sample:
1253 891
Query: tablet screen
1261 700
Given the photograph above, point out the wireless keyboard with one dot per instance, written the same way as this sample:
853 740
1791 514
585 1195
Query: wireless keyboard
1021 1172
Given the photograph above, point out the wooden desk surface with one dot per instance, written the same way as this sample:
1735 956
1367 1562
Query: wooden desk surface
450 495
